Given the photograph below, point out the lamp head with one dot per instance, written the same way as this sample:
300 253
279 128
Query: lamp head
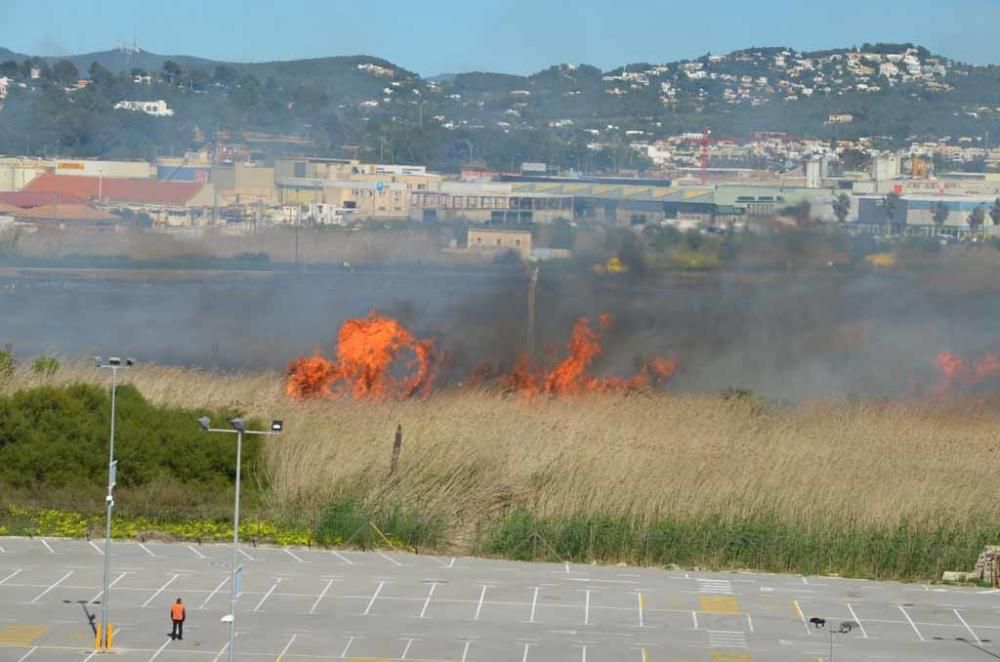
205 422
238 424
277 426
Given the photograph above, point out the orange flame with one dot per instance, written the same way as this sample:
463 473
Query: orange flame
367 351
958 373
570 376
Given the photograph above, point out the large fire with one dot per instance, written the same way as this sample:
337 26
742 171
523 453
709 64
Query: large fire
959 373
369 350
571 375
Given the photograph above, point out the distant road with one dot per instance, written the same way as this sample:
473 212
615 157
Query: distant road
306 604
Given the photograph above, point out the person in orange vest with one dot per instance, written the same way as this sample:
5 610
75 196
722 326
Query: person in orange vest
177 615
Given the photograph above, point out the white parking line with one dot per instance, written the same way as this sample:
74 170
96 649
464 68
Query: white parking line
727 639
451 564
47 545
524 658
147 550
750 622
60 581
427 602
534 605
409 642
197 553
111 585
802 617
642 605
343 654
479 606
87 659
325 589
910 620
267 595
245 555
11 575
974 635
26 655
160 650
160 590
2 550
861 626
586 608
374 598
284 650
694 618
222 652
342 558
465 651
97 547
583 653
389 558
290 553
212 594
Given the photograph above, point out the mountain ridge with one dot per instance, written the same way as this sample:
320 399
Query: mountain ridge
893 93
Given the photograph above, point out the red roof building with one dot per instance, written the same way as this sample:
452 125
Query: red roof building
28 199
150 192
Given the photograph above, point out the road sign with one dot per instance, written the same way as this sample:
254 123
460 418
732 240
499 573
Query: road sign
114 474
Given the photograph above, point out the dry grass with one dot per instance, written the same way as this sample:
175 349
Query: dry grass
469 454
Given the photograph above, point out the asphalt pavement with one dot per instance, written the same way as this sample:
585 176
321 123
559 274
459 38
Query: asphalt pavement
308 604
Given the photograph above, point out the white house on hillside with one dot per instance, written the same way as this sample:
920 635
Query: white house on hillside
154 108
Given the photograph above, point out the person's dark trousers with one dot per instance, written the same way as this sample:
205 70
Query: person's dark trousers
178 631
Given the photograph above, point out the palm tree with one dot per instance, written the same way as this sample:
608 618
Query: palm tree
841 207
941 213
976 219
995 212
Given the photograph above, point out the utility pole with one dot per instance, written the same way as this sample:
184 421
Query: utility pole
532 286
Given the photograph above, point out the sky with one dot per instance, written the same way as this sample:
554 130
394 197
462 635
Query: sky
510 36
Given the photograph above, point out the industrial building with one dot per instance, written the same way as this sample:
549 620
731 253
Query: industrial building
169 203
500 240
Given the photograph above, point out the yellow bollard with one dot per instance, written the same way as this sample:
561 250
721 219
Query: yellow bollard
98 639
111 636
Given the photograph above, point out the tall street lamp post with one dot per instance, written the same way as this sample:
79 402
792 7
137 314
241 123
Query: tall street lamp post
114 364
239 428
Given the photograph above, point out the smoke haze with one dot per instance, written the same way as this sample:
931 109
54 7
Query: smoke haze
788 336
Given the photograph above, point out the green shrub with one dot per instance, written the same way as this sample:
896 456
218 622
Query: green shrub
58 437
6 363
766 543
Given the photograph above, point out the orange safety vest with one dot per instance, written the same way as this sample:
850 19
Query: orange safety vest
177 612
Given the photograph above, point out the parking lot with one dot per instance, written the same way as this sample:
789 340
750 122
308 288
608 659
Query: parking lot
308 604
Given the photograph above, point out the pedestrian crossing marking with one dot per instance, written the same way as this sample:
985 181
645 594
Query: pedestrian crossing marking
21 635
718 604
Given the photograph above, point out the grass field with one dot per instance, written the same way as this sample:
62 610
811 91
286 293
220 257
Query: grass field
887 489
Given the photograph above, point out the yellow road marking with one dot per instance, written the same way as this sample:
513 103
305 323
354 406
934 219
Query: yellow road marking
720 604
645 655
21 635
730 657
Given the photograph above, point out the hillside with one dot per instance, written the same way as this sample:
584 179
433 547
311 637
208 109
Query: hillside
566 114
